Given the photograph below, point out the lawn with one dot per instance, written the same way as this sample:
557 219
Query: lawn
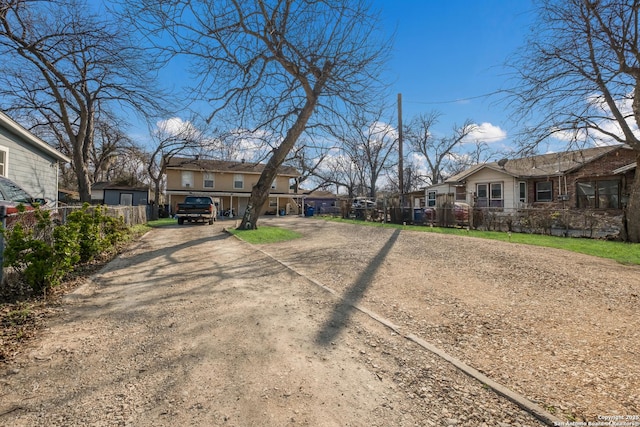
265 234
624 253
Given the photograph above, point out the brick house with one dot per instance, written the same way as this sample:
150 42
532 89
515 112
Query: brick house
574 190
230 184
593 178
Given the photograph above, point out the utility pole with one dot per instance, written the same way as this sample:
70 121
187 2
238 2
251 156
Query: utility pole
400 155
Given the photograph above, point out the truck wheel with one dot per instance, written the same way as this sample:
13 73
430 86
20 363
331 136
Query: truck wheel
180 221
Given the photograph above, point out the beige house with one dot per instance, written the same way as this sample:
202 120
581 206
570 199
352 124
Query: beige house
230 184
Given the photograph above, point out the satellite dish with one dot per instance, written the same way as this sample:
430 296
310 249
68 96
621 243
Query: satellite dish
502 162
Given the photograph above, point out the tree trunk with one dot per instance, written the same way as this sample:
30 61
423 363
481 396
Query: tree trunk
260 191
82 174
156 200
633 208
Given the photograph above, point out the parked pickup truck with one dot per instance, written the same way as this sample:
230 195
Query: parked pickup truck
197 208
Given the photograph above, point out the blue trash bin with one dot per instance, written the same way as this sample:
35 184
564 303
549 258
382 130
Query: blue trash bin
309 211
418 215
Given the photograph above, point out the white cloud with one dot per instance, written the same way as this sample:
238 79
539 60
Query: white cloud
382 130
175 126
608 126
486 132
253 146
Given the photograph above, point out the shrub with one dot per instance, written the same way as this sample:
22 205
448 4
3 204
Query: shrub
97 231
42 254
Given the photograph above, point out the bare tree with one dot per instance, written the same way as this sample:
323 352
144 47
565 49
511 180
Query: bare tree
370 144
274 64
340 171
62 67
413 179
309 158
578 78
170 139
437 150
114 156
474 153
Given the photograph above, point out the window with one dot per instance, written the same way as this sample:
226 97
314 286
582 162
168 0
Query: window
496 195
482 193
522 192
238 181
461 194
3 161
544 191
431 198
598 194
208 180
126 199
187 179
489 195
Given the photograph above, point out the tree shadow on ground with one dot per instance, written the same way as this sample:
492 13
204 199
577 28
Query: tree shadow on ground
346 305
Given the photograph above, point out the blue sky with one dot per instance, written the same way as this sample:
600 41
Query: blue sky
449 54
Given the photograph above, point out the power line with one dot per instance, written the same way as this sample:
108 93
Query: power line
486 95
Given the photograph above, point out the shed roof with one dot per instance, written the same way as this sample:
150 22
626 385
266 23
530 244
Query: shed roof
320 194
105 185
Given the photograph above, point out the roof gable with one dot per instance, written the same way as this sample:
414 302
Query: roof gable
16 129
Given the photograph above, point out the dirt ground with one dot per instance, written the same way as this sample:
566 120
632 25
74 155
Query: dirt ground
191 326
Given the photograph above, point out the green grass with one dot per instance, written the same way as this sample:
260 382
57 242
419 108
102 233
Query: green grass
139 229
265 235
624 253
162 222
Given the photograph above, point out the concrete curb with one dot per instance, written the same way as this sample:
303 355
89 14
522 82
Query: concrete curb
516 398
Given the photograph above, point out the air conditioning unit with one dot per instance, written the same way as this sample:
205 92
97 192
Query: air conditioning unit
563 197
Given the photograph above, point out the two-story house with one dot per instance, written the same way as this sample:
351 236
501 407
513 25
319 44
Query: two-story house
230 184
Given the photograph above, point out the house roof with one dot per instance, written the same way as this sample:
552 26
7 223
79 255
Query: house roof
320 194
225 166
17 129
625 168
104 185
544 165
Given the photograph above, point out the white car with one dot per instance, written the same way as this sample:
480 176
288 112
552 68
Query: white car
363 204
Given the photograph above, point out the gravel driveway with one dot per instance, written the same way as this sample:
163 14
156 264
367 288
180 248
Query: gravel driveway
193 327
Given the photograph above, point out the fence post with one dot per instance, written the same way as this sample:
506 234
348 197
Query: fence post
3 220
